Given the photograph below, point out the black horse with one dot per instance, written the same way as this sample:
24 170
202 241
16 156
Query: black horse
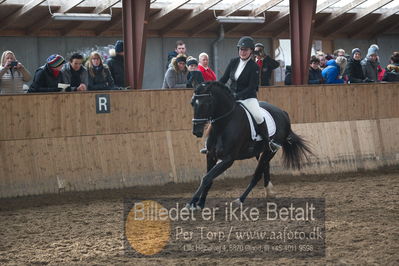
229 138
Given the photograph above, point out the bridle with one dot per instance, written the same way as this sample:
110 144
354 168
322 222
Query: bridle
199 121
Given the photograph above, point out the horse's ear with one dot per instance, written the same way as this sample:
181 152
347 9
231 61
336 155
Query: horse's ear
196 79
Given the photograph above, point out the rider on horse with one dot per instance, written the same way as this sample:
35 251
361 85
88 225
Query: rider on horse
243 73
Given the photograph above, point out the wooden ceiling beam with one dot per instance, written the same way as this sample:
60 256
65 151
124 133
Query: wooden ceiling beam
326 4
104 6
28 7
234 7
329 22
167 10
376 23
184 19
266 6
359 16
115 20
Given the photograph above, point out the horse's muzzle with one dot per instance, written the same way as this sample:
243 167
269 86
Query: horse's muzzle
198 130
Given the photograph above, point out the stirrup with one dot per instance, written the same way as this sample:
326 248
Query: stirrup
274 147
204 150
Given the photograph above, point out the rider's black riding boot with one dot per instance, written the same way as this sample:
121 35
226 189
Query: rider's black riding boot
264 133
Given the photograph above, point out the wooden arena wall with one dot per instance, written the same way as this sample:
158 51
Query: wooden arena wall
58 142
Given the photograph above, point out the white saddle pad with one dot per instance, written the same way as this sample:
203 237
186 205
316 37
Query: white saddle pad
271 125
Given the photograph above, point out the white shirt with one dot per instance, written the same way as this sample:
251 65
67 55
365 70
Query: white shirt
240 67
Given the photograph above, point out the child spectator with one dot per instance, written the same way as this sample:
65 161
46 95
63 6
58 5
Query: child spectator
194 77
332 72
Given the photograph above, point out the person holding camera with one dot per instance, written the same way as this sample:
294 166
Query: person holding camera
265 63
12 74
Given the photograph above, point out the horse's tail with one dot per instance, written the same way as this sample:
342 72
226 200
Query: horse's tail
295 151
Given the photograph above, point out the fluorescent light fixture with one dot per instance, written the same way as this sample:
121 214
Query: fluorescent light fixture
240 19
81 16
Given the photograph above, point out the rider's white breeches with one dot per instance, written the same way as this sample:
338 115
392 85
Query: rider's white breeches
253 107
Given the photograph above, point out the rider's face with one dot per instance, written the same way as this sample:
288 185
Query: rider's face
244 53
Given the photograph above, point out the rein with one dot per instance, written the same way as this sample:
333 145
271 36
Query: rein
204 120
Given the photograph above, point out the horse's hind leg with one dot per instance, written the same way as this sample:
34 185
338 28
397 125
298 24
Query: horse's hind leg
211 161
257 175
268 186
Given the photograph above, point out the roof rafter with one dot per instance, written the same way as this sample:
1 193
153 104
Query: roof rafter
194 13
359 30
98 10
115 20
28 7
326 4
342 11
234 7
360 15
47 19
167 10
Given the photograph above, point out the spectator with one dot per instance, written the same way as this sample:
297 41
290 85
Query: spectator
353 69
48 77
315 76
75 74
116 64
322 58
194 77
370 64
266 64
180 49
203 66
341 62
339 52
99 75
288 75
392 70
12 74
332 72
176 75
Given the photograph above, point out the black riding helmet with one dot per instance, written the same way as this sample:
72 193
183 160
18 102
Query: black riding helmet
246 42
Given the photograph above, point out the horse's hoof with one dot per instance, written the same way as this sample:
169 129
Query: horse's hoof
237 201
269 193
192 207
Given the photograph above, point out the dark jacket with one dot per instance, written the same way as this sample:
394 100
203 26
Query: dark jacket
269 64
391 73
315 76
354 71
44 80
288 75
331 73
67 75
370 69
117 67
100 79
248 82
171 54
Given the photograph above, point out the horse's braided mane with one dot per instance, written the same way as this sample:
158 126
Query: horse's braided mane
222 88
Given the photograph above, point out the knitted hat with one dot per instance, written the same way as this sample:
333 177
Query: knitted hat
372 50
356 50
181 59
55 60
192 61
119 46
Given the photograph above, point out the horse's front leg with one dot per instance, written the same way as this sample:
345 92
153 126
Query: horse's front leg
210 163
208 178
256 177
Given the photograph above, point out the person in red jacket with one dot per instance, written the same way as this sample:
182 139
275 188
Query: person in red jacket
206 71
